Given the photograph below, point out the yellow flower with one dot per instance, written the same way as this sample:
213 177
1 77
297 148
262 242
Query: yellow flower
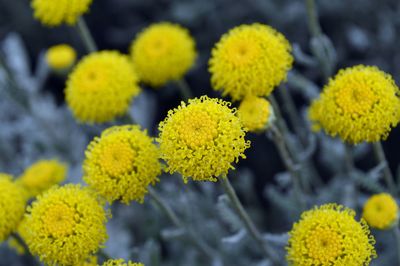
122 163
121 262
202 139
91 261
60 57
250 60
42 175
359 104
66 225
256 113
12 206
163 52
381 211
330 235
101 87
54 13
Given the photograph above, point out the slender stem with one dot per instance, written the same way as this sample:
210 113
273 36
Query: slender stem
28 255
387 174
289 164
396 233
348 157
184 89
196 241
86 37
248 223
312 16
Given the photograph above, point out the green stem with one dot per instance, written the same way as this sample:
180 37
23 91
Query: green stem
396 233
387 174
184 89
312 16
348 157
196 241
248 223
86 37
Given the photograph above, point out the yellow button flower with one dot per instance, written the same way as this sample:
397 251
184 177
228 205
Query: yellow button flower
163 52
381 211
256 113
202 139
66 225
60 57
122 163
121 262
54 13
250 60
101 87
12 206
329 235
360 103
42 175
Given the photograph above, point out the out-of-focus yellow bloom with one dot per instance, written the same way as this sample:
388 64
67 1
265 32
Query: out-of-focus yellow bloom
256 113
330 235
360 103
12 206
163 52
101 87
54 13
122 163
121 262
42 175
381 211
60 57
250 60
66 225
202 139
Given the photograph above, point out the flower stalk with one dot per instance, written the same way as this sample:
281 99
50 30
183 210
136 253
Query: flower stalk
184 89
86 36
387 174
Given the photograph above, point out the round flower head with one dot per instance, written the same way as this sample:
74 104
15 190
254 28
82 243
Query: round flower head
101 87
12 206
66 225
163 52
359 104
54 13
42 175
121 262
330 235
122 163
256 113
202 139
60 57
250 60
381 211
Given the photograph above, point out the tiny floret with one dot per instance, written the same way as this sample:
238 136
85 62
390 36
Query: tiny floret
121 262
163 52
101 87
54 13
122 163
256 113
42 175
60 57
12 206
66 225
330 235
250 60
360 103
201 139
381 211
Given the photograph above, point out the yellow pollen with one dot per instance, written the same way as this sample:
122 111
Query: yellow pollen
117 159
324 245
59 220
355 100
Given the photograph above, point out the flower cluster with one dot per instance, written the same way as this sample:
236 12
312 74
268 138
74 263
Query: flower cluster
381 211
60 57
360 103
202 139
256 113
121 262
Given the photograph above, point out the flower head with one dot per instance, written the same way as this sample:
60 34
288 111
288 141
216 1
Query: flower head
122 163
360 103
250 60
12 206
66 225
330 235
202 139
256 113
60 57
381 211
163 52
42 175
121 262
54 13
101 87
